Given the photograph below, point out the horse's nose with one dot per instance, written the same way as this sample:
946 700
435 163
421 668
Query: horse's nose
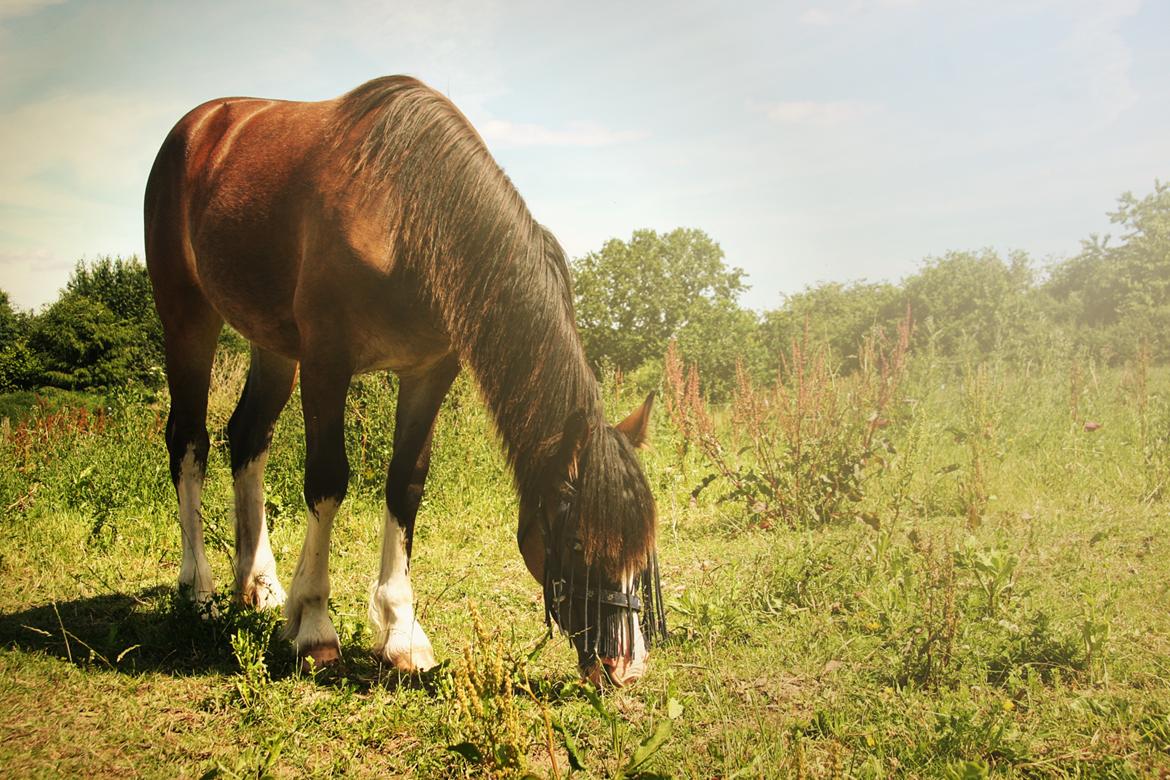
617 672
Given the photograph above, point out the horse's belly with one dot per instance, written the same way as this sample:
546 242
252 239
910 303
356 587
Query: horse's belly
395 331
256 303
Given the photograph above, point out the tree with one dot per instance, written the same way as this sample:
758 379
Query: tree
839 315
10 328
633 296
123 287
19 367
972 303
80 343
103 330
1116 296
717 339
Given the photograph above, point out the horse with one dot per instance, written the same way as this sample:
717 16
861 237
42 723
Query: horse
375 231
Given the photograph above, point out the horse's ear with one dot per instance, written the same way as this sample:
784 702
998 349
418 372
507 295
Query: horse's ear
573 440
637 426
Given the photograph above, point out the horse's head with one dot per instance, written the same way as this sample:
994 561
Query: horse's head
589 539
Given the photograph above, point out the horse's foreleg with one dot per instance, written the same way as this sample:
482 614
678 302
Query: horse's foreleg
269 385
398 638
323 389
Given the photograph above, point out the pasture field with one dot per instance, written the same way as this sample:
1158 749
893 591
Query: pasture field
991 598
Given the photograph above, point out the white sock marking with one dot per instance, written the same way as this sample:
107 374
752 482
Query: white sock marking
398 638
194 571
256 579
307 609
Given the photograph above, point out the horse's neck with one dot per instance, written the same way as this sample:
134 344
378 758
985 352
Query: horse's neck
527 357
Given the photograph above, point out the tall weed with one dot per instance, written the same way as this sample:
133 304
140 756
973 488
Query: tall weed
796 453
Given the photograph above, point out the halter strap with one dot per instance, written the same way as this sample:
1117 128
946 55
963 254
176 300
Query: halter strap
560 590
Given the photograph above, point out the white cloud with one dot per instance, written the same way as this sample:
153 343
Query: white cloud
502 133
819 17
31 276
92 140
72 170
830 113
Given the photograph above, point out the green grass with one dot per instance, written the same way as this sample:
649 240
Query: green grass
1033 642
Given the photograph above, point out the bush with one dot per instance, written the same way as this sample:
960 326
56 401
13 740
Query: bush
80 343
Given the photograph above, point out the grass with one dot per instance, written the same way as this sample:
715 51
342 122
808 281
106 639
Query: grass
994 603
19 405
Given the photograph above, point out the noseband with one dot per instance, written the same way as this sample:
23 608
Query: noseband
562 588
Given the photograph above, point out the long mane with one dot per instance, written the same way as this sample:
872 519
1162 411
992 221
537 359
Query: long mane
501 284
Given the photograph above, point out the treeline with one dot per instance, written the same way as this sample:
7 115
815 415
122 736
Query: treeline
1109 301
102 331
634 297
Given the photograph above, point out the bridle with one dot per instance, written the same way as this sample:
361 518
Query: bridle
562 588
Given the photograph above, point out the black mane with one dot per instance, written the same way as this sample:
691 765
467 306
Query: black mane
501 283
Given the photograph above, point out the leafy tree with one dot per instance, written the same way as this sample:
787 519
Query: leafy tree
19 366
81 343
633 296
9 321
971 303
717 339
103 330
1117 296
123 287
839 315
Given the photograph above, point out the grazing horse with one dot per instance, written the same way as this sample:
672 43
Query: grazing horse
375 231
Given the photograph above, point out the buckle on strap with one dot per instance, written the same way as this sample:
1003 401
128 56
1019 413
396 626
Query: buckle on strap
615 598
562 591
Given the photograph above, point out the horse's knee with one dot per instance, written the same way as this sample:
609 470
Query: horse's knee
326 477
187 444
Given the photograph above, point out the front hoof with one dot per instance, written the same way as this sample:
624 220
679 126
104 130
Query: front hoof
319 656
410 660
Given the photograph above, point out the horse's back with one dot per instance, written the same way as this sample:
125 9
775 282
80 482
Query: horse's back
258 208
227 204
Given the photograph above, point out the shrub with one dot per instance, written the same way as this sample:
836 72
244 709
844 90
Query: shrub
81 343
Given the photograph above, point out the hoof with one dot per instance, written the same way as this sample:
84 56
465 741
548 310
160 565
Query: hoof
202 600
319 656
420 659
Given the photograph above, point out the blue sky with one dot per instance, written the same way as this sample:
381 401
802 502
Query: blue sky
819 140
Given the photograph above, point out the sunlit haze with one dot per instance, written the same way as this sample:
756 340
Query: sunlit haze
816 141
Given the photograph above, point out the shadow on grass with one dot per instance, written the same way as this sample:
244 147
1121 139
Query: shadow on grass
152 630
158 631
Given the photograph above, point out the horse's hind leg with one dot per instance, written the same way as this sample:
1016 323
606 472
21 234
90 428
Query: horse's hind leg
323 388
191 329
398 638
267 390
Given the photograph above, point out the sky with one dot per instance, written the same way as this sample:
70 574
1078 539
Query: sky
815 140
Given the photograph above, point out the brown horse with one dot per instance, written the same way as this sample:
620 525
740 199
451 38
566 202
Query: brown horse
375 231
